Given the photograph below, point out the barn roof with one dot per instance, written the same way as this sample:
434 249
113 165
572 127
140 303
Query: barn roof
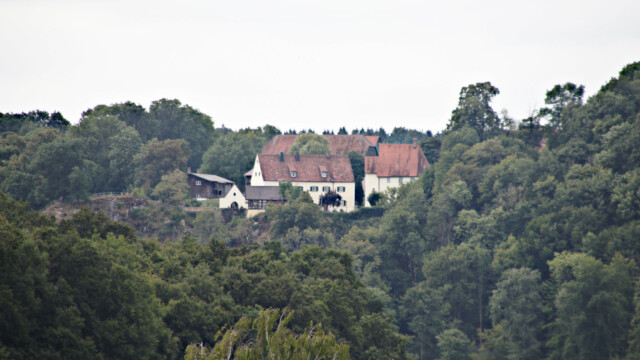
212 178
397 160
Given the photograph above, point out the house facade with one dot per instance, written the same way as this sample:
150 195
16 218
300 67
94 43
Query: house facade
206 186
392 166
316 174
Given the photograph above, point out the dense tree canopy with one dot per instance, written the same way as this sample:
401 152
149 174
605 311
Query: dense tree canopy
520 242
475 111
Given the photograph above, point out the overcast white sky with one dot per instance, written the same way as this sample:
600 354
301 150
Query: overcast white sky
299 64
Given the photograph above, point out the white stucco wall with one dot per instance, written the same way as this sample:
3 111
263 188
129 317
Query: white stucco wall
256 174
234 195
348 195
373 183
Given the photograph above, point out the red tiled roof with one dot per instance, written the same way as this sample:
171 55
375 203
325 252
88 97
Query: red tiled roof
307 169
373 139
339 144
344 144
396 160
279 144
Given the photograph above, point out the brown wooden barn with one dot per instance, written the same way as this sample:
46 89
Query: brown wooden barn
206 186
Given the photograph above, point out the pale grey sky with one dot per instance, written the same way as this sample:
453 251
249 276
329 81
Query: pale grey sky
317 64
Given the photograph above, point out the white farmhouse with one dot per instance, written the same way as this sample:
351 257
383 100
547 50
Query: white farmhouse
316 174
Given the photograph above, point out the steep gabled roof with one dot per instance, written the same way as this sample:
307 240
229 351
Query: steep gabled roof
339 144
212 178
307 169
397 160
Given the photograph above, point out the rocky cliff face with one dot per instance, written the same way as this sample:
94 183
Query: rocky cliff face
117 207
167 222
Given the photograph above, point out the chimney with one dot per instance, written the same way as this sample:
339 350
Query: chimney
414 142
297 156
281 156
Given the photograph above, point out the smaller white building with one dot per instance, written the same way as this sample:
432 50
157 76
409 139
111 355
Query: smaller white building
233 200
392 166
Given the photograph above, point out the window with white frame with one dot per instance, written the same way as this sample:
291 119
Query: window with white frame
323 174
341 189
294 174
326 188
198 182
313 188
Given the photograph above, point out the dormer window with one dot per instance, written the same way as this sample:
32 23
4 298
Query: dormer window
292 170
323 171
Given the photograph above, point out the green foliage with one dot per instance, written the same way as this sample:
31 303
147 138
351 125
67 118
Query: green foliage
310 144
53 163
402 135
131 114
621 147
268 336
593 305
523 241
474 110
290 193
176 121
87 287
172 188
453 344
158 158
24 122
300 213
516 310
374 198
431 148
424 311
232 155
461 274
357 165
560 98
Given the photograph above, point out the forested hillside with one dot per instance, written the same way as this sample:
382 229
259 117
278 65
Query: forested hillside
522 241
